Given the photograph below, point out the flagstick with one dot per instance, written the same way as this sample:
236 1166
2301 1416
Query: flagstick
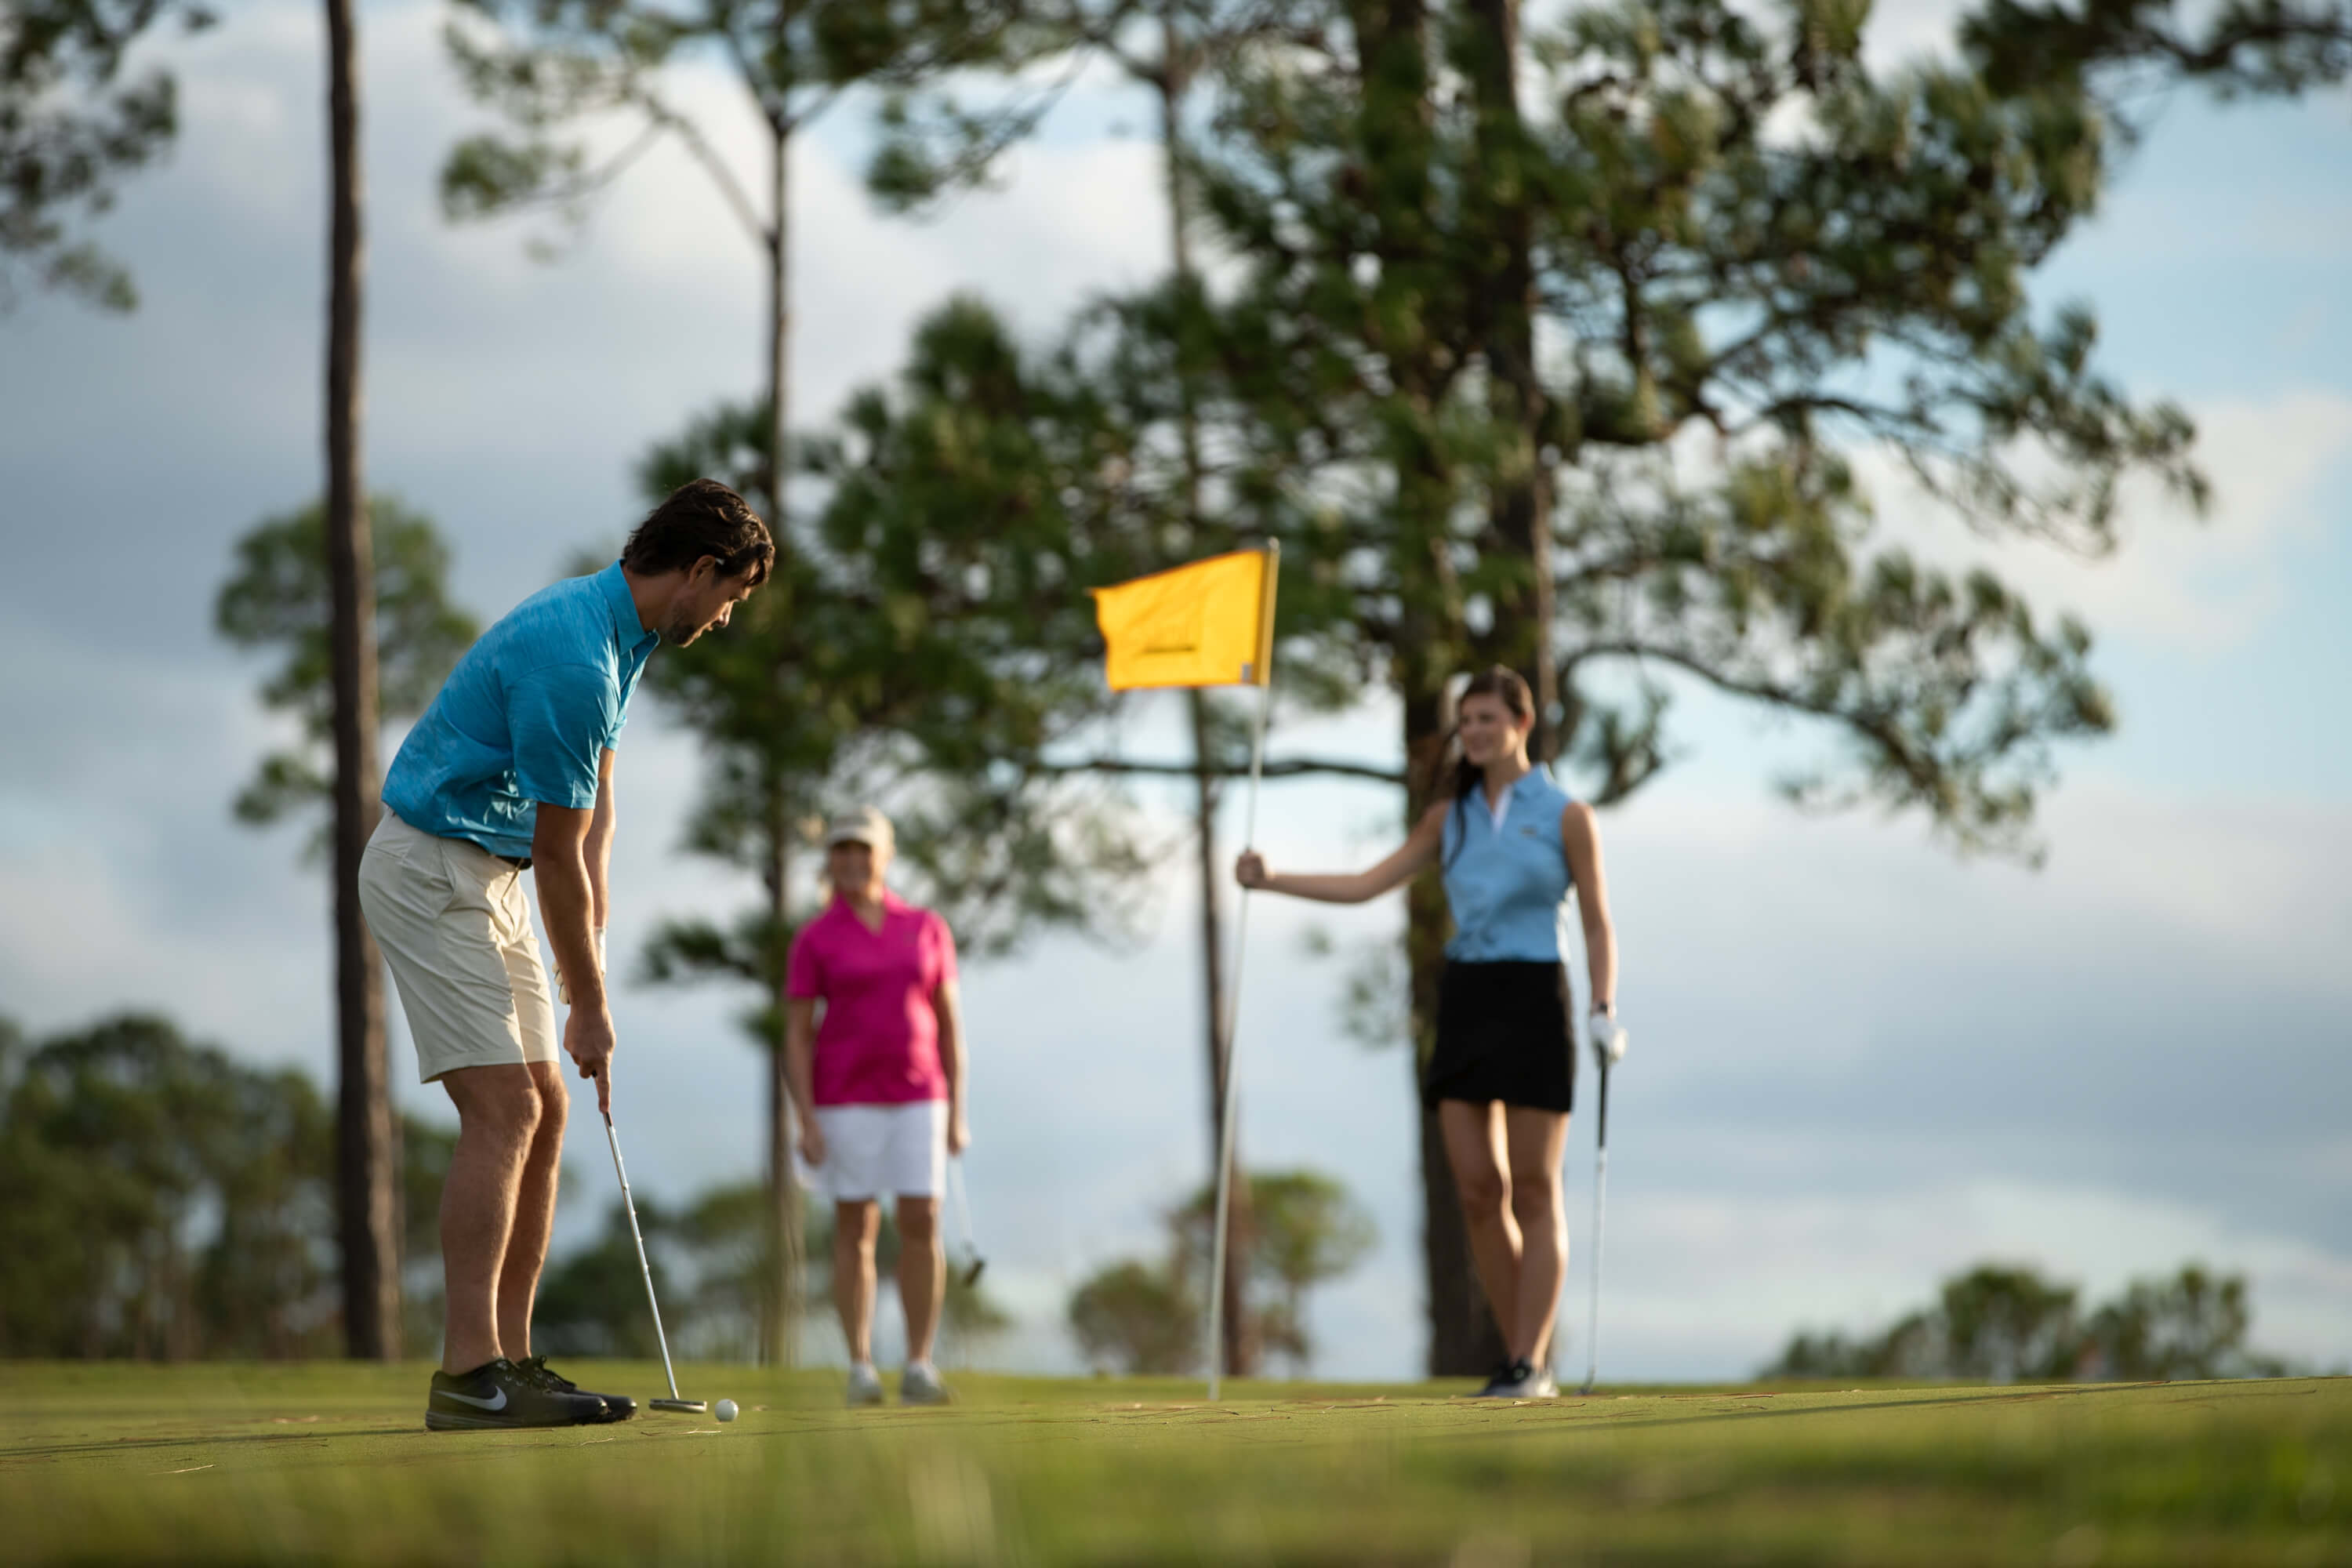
1232 1013
1232 1043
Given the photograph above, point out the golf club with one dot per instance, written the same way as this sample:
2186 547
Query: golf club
690 1406
1599 1193
963 1211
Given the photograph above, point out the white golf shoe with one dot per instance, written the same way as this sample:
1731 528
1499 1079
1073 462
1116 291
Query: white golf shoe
1538 1384
864 1385
920 1384
1521 1381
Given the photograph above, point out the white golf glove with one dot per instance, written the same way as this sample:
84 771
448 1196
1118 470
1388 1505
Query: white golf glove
563 986
1608 1038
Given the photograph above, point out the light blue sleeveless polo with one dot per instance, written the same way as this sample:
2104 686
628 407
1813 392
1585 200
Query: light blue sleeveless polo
1507 886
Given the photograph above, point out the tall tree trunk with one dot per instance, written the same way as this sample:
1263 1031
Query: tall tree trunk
366 1156
779 1301
1394 130
1239 1330
779 327
1519 507
782 1306
1464 1339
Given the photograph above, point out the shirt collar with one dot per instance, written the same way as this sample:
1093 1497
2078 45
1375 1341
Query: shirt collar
1541 772
892 904
618 599
1498 811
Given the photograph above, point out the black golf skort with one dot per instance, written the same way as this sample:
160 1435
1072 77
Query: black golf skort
1503 1034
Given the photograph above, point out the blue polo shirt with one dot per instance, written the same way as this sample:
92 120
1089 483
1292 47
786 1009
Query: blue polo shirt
525 717
1507 883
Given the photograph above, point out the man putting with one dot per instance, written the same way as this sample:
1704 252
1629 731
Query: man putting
510 769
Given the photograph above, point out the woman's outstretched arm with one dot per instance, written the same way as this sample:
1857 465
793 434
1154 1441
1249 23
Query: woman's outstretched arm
1418 850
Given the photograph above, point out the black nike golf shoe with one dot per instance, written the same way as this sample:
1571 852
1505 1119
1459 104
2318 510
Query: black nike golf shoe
498 1394
618 1406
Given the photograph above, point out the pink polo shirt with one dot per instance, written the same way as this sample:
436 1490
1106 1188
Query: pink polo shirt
878 1041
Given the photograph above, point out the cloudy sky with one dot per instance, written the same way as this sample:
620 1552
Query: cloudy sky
1859 1063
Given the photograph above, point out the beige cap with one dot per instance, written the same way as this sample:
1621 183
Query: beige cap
864 826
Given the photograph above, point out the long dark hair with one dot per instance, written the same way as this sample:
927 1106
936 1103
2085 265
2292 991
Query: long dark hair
1504 684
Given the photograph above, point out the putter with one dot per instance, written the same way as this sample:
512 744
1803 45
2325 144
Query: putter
963 1211
689 1406
1600 1192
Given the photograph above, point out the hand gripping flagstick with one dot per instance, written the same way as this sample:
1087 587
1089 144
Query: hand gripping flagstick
1206 623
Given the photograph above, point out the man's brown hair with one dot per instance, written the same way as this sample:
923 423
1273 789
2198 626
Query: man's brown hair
702 517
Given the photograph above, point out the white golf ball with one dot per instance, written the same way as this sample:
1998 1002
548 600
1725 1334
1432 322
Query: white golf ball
724 1410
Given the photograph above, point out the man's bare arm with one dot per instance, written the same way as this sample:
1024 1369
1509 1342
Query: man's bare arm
559 854
600 850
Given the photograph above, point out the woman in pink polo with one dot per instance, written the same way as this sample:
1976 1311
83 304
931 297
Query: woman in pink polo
879 1082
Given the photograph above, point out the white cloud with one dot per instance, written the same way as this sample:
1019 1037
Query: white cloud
1900 33
1912 31
2174 579
664 274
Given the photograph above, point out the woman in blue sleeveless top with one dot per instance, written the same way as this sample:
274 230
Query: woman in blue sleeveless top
1512 846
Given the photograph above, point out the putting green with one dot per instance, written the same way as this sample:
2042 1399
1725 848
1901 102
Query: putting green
329 1462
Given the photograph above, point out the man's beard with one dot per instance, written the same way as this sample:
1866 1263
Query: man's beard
680 629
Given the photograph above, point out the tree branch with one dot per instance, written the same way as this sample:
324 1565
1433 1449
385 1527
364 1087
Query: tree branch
704 153
1871 727
1280 768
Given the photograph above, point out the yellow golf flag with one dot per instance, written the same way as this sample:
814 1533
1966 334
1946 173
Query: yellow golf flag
1209 624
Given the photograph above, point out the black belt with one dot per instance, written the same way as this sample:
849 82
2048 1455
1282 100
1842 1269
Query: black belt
519 862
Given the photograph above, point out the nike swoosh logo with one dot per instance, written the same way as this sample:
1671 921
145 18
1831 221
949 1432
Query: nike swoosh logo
497 1403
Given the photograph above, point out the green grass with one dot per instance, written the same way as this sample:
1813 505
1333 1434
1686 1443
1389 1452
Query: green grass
329 1463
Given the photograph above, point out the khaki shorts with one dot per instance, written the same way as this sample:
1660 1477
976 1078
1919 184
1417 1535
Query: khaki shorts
454 927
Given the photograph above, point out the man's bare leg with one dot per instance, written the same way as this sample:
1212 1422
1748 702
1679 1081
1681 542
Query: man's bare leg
534 1217
922 1272
499 1108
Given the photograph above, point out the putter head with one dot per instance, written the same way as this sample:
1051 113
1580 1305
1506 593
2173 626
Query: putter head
971 1275
684 1406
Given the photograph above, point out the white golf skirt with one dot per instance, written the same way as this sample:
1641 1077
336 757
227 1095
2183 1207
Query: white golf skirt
870 1150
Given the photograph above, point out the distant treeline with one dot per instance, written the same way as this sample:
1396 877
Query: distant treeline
1298 1229
1999 1325
164 1200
